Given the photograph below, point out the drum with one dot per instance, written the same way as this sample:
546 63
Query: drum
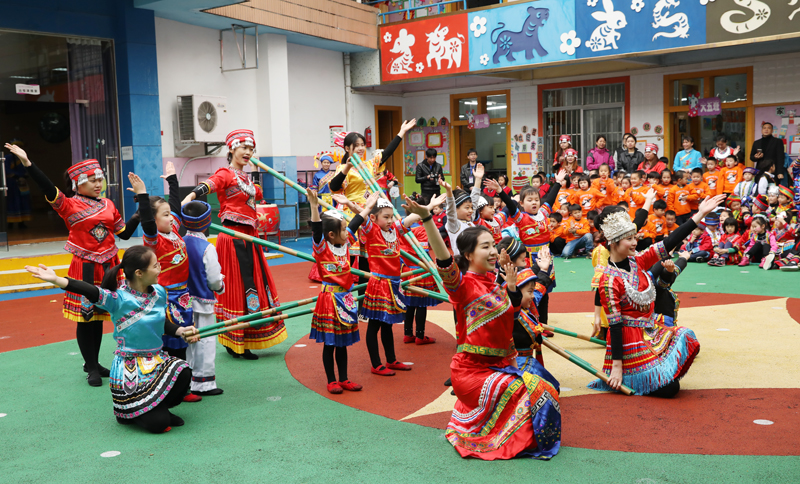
269 219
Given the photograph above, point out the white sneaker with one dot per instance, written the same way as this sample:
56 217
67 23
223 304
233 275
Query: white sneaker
768 261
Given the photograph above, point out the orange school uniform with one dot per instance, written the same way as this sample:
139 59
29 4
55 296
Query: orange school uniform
730 177
712 179
608 188
581 228
559 231
635 199
678 200
563 198
655 227
587 199
699 192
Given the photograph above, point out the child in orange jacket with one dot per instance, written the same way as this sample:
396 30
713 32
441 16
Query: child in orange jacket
678 198
634 196
712 177
699 189
586 197
577 233
731 175
606 186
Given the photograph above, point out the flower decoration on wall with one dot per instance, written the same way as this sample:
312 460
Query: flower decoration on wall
591 3
478 26
387 37
569 42
420 67
637 5
705 2
485 59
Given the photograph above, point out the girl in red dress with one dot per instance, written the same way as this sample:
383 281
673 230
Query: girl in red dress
641 353
502 412
384 302
92 222
335 320
249 287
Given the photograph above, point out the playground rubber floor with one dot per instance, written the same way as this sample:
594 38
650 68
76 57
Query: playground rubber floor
736 419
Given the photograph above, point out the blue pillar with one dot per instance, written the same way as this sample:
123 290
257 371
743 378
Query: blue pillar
273 188
137 90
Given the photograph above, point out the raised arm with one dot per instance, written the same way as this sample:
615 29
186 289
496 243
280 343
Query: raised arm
434 237
47 186
174 189
145 212
552 193
389 150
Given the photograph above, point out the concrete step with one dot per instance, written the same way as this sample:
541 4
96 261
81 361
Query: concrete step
14 277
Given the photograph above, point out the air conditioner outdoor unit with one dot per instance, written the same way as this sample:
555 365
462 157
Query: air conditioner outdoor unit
202 119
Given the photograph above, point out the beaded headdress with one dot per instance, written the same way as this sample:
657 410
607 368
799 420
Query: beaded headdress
481 203
80 173
240 137
651 147
334 214
617 226
383 203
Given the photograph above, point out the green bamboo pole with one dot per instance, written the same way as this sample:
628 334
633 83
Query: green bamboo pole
256 162
574 335
583 364
428 293
369 179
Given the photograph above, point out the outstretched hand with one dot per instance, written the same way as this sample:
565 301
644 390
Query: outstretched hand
42 272
503 259
446 185
709 204
414 207
20 153
511 277
311 194
479 170
650 196
492 185
137 185
406 126
436 201
561 176
169 170
543 258
372 200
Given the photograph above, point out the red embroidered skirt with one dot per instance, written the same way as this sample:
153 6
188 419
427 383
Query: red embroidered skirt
75 305
238 301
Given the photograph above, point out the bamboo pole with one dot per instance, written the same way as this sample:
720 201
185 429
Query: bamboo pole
256 162
296 253
583 364
372 184
425 292
574 335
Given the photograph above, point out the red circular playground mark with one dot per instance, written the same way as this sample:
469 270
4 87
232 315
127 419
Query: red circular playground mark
717 422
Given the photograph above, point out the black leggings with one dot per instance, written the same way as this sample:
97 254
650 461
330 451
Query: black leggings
557 246
386 338
668 391
418 314
175 353
341 361
758 251
158 419
90 336
543 307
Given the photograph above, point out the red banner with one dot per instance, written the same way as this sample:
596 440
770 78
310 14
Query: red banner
425 48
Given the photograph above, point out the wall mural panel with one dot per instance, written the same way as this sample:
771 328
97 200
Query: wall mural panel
545 31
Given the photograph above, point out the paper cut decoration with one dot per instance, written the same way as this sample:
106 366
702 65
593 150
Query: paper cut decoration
432 122
524 158
434 140
605 36
440 48
646 126
525 40
482 121
661 18
402 45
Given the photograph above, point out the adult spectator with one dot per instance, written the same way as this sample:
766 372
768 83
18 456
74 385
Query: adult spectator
689 158
628 157
468 170
428 174
770 148
599 155
651 161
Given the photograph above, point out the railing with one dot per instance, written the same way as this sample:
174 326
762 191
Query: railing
408 11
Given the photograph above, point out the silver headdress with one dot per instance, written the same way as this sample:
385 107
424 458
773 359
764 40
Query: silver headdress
617 226
383 203
334 214
481 203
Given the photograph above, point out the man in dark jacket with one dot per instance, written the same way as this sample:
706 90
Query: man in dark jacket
770 148
467 171
428 174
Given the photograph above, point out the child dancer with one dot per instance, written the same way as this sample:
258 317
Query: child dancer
385 301
92 223
205 281
484 211
527 330
145 382
484 366
557 233
335 320
249 285
460 213
162 235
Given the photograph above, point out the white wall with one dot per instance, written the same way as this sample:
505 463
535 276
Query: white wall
647 99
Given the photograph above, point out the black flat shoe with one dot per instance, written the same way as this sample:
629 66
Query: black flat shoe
248 355
104 372
448 383
232 353
124 421
93 378
209 393
175 421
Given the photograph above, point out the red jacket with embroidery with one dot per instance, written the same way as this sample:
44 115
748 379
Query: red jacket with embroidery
92 223
237 195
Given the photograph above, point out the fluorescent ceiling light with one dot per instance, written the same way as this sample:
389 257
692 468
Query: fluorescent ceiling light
20 77
496 107
60 69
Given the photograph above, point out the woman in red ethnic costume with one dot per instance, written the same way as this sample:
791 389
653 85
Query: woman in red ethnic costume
248 280
641 353
502 412
92 222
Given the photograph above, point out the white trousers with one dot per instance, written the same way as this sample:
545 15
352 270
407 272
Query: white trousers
200 355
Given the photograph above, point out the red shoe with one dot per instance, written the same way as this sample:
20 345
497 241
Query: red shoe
409 339
333 387
350 386
191 398
547 334
427 340
398 366
383 371
167 430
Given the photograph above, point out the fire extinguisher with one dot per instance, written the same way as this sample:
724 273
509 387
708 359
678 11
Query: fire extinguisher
368 136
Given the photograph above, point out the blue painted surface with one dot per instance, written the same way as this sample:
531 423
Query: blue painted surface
273 188
506 30
23 295
638 33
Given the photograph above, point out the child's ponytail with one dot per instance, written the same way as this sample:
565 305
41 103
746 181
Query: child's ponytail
110 278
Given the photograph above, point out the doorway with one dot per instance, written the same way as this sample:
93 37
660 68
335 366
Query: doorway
70 116
388 120
492 142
